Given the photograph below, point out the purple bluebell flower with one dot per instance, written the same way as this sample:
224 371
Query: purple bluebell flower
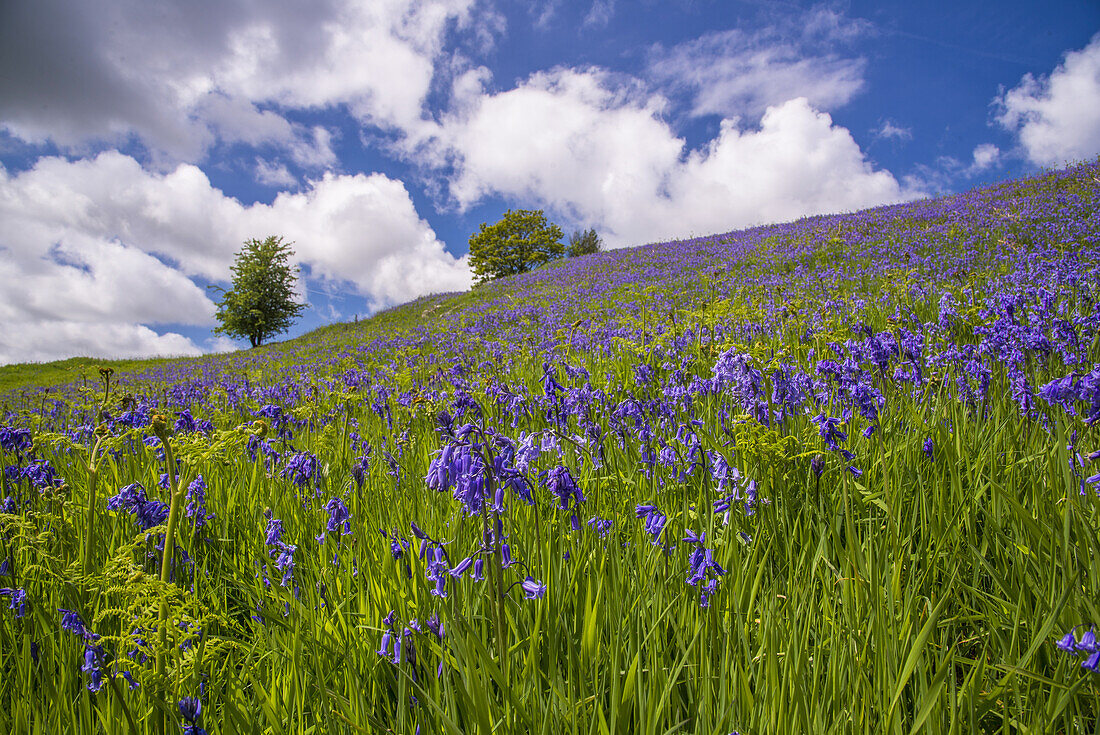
655 521
562 485
196 502
93 666
817 464
71 622
190 711
301 468
281 552
15 440
132 499
1068 643
602 526
830 431
339 519
462 566
702 567
18 600
532 588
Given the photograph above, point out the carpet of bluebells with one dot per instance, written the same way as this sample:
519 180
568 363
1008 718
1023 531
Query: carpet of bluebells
837 475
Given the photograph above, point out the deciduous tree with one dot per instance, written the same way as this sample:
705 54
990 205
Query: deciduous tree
520 241
262 301
584 243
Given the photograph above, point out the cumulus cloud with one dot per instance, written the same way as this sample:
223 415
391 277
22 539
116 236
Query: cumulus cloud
985 156
595 149
736 73
1057 117
180 75
105 244
363 231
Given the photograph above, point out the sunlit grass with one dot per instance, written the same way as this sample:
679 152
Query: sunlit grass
913 578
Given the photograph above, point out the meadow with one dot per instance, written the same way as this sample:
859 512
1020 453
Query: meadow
833 476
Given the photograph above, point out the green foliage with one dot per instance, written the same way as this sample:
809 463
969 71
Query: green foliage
584 243
522 240
926 594
261 302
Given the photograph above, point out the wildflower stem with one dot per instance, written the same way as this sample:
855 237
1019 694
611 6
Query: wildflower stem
89 513
160 428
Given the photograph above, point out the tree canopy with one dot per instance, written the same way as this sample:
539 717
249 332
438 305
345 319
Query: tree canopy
523 239
262 302
584 243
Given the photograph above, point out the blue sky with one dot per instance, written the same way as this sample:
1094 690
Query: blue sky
142 143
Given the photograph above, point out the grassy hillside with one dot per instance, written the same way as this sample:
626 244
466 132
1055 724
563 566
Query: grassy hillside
835 475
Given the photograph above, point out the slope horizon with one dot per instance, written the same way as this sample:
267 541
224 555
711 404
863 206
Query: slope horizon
14 376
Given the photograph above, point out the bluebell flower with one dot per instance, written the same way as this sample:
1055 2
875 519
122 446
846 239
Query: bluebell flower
190 710
829 429
18 600
533 589
550 386
281 552
702 567
655 521
93 666
462 566
15 440
602 526
435 625
301 468
132 499
817 464
564 487
71 622
196 503
339 519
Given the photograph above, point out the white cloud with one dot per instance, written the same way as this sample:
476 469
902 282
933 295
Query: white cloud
363 230
181 75
103 243
985 156
46 340
736 73
221 344
891 131
274 174
1057 118
947 172
543 13
600 14
595 149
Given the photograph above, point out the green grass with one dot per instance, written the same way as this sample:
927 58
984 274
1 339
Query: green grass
31 375
925 594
